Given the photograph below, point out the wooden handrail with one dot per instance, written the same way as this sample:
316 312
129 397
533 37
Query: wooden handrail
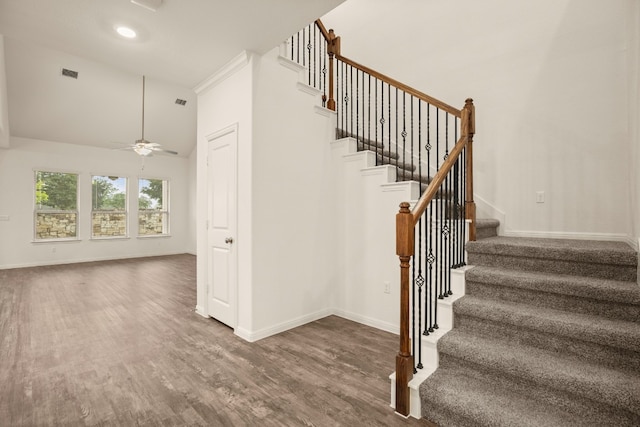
333 50
408 89
322 29
437 180
467 127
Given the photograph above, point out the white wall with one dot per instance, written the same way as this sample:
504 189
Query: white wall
294 221
633 79
550 84
225 100
192 201
368 200
17 166
4 113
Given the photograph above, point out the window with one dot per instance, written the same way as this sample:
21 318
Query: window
109 206
56 202
153 212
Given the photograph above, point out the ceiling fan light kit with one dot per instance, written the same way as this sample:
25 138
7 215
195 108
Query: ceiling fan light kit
142 149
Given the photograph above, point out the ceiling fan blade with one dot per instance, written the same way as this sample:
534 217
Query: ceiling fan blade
162 150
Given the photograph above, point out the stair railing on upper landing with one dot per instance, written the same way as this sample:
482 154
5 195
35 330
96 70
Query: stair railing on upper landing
423 138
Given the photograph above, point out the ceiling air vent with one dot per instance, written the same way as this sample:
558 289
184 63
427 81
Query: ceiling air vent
181 101
69 73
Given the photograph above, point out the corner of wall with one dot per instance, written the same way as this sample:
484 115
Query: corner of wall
4 102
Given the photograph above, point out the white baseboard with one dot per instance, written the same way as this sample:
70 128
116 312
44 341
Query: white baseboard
613 237
369 321
253 336
485 209
200 311
81 260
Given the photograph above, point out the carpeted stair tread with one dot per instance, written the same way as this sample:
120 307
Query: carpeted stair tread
599 252
586 287
548 333
378 150
613 333
620 390
486 227
361 139
609 260
455 398
487 223
383 159
404 175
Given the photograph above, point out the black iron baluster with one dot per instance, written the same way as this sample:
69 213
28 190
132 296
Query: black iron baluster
413 311
340 84
412 140
437 226
323 78
381 120
464 204
375 111
308 47
358 107
429 232
420 284
292 47
363 111
369 113
447 219
351 100
456 201
389 116
456 215
404 135
397 151
344 94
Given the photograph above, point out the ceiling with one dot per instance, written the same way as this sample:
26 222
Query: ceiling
178 46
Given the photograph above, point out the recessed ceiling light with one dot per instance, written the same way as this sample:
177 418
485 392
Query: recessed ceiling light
126 32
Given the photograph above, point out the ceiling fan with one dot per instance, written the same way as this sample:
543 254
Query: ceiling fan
143 147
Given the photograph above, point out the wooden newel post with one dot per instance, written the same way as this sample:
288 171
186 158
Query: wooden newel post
333 48
469 129
404 359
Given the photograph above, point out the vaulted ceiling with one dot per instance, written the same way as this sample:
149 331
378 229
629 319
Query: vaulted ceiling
179 45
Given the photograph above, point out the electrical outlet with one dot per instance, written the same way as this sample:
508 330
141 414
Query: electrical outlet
387 287
540 197
4 217
53 249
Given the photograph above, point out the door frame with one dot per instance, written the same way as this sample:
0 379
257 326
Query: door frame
231 129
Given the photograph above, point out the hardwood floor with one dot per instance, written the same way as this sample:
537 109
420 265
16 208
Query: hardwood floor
118 343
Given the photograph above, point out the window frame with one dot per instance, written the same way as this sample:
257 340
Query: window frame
165 211
37 211
102 211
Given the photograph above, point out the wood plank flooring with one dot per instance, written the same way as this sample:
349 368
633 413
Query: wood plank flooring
118 343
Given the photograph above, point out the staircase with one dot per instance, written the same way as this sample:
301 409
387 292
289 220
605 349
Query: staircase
406 170
548 334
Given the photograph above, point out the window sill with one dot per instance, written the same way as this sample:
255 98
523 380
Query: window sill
103 239
153 236
56 241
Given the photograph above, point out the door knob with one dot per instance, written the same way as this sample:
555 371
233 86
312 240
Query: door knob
228 240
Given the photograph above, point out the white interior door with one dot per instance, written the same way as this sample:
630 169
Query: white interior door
221 229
